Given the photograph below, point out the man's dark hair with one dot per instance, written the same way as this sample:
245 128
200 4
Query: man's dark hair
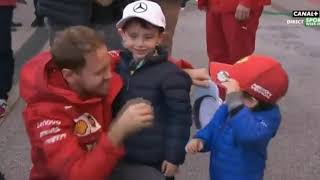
72 44
143 23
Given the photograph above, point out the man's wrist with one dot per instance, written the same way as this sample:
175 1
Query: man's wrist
116 135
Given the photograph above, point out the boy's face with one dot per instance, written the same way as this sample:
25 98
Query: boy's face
140 41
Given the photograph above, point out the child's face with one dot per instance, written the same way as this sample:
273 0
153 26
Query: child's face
140 41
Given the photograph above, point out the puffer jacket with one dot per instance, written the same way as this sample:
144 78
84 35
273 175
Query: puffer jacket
238 144
167 88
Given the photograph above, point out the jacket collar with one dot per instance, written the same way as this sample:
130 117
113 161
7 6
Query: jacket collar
160 55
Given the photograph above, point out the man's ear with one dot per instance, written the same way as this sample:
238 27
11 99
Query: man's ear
68 75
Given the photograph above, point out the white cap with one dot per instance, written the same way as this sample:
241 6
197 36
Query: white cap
146 10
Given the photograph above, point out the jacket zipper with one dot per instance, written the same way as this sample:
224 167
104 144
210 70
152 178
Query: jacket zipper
131 73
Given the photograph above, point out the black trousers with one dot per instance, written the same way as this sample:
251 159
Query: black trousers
6 54
35 5
133 171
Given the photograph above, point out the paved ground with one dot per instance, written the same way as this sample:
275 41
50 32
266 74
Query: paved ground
295 152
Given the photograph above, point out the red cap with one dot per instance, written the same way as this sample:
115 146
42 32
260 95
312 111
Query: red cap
260 76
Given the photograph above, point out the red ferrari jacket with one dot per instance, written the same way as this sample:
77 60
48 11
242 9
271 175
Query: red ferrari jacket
67 134
226 6
8 2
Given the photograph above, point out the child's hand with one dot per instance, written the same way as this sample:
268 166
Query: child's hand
194 146
169 169
231 86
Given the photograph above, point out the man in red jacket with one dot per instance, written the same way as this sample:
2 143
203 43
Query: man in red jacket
69 93
231 27
6 55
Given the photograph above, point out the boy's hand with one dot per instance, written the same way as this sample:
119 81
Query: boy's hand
231 86
242 12
169 169
200 76
194 146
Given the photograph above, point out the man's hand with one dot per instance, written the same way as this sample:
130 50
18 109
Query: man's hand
231 86
169 169
200 77
104 2
242 12
134 116
194 146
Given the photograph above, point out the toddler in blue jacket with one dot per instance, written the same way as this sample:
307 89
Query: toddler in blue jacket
240 130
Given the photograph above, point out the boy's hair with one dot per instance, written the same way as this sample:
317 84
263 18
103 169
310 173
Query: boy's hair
72 44
143 23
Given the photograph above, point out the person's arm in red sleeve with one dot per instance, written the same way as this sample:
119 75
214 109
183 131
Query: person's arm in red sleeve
199 76
58 149
181 63
247 3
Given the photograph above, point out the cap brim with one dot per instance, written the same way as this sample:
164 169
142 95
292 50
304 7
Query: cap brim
122 21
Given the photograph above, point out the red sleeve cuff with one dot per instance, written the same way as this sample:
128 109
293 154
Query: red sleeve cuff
118 152
115 59
246 3
181 63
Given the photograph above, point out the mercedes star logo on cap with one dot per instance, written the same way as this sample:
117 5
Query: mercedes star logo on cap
140 8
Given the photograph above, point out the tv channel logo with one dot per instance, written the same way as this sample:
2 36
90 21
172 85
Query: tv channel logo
305 13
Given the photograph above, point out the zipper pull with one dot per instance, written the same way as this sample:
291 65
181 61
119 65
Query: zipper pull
128 84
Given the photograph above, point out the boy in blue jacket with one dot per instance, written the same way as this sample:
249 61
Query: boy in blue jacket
240 130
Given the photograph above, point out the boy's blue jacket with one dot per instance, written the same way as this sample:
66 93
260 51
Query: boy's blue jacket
238 144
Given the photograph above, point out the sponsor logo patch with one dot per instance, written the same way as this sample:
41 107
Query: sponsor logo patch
85 125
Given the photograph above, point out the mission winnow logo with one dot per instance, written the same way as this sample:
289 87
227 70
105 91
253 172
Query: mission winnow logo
310 18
